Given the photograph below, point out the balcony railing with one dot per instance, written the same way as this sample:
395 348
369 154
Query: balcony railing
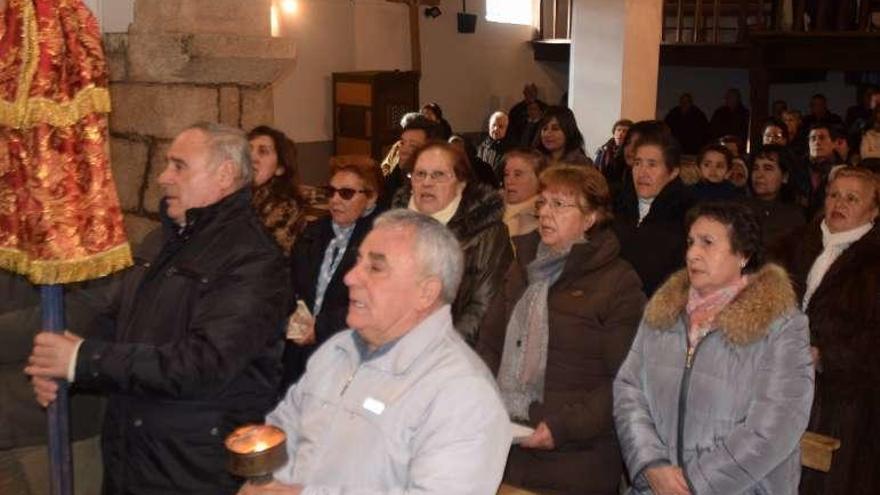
733 21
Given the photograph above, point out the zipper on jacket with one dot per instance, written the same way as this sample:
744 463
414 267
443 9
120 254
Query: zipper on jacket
348 381
682 397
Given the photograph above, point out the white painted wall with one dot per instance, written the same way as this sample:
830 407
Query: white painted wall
469 75
614 62
472 75
325 40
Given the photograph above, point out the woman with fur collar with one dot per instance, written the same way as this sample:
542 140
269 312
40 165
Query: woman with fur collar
835 267
716 390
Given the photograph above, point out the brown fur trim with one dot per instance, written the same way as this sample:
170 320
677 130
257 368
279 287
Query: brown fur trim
746 319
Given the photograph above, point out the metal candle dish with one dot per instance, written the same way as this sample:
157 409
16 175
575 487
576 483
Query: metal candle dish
255 452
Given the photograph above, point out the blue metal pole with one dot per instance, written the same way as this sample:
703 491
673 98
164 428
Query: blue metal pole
60 461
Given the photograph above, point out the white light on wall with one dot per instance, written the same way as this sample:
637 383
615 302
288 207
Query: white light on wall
274 21
510 11
289 7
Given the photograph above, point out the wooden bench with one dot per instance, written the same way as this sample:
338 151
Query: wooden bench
816 453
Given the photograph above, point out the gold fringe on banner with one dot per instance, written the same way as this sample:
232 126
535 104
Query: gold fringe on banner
66 271
27 113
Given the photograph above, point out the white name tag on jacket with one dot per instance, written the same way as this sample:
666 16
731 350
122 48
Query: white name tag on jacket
374 406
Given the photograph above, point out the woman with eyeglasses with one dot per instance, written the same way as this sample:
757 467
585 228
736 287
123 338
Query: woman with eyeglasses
276 195
556 333
442 186
323 253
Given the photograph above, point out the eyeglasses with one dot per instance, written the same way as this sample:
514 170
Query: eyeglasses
436 176
554 204
345 193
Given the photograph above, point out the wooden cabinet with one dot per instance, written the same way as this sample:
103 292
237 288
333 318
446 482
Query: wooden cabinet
367 107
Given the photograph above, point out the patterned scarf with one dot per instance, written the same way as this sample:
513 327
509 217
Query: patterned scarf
524 359
702 310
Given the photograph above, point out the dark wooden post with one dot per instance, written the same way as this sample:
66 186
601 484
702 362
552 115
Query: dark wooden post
716 18
414 36
759 93
678 23
800 7
742 26
698 21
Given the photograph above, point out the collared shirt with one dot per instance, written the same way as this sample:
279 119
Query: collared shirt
419 413
332 256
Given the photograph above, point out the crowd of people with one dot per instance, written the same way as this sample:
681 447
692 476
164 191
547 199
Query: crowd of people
671 314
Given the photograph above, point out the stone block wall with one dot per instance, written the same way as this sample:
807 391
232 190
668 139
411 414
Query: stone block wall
181 62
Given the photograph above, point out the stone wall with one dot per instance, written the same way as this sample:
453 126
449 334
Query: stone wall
168 72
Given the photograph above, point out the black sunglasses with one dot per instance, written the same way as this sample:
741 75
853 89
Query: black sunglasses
345 193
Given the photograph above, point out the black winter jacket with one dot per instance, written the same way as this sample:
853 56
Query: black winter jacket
305 268
479 227
196 350
656 246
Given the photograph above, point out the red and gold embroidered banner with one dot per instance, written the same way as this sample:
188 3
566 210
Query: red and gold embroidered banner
60 219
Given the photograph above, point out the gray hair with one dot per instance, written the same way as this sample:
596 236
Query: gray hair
227 143
437 251
498 114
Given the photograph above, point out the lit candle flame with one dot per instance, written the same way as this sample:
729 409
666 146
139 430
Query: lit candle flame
260 446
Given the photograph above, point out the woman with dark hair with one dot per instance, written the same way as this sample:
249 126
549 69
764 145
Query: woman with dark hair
557 332
559 138
715 393
442 186
835 268
323 253
618 174
649 217
434 113
276 196
772 198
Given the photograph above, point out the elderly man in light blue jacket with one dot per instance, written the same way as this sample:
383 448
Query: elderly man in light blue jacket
400 404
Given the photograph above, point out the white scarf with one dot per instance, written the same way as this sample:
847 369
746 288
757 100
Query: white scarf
443 216
834 245
644 208
520 218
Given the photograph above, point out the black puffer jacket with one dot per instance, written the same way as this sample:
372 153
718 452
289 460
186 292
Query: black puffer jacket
196 351
656 246
479 227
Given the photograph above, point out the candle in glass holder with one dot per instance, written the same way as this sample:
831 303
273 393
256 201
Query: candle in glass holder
255 452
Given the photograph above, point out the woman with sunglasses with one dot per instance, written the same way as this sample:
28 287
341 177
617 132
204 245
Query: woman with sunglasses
442 186
276 195
323 253
556 333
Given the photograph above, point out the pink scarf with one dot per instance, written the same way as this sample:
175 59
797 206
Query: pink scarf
702 310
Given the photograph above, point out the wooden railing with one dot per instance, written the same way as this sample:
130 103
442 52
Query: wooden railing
704 21
700 21
555 19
